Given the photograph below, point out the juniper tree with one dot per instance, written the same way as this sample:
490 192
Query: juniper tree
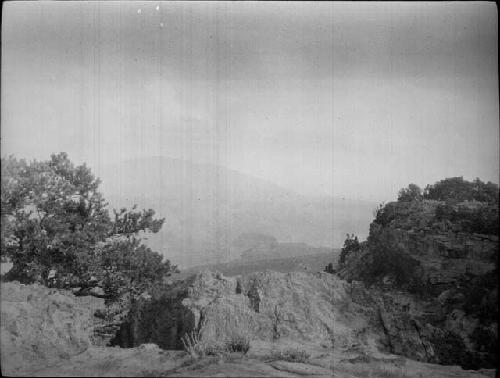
55 218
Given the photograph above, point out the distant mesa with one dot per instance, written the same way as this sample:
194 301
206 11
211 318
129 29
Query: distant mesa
254 246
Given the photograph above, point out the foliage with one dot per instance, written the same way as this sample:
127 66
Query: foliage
482 219
384 214
482 297
54 218
198 347
450 349
456 189
411 193
485 339
329 268
388 259
238 343
126 264
470 207
130 223
351 244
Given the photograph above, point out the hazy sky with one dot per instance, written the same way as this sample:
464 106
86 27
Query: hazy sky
349 99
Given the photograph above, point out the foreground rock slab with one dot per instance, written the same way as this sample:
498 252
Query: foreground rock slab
42 326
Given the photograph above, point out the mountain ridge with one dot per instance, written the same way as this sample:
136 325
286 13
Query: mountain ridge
207 207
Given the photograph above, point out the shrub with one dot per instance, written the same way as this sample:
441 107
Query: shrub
351 244
411 193
450 350
482 297
198 347
238 343
388 259
481 220
330 269
456 189
385 214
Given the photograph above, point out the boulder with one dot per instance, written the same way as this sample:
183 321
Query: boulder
43 325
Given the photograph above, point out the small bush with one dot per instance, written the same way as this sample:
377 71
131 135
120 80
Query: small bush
238 343
198 348
330 269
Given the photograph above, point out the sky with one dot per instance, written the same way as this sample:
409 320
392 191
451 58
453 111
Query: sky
347 99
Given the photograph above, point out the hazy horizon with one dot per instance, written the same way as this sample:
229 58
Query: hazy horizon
324 99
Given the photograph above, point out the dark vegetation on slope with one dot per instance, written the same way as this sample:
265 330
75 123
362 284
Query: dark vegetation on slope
440 246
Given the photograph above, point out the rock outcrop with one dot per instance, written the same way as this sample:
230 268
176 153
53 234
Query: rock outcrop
336 325
434 280
264 307
41 325
315 310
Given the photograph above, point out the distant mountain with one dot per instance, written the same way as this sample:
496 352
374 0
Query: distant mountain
208 207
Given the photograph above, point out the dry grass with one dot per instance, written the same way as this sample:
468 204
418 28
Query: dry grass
198 347
194 345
